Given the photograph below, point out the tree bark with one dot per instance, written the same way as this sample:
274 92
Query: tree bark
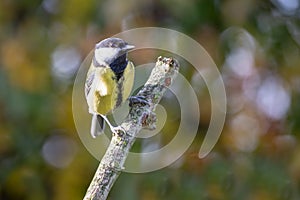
141 115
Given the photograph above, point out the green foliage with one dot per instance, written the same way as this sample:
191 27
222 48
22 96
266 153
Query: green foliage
35 99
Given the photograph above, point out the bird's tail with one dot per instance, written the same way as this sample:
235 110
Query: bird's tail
97 125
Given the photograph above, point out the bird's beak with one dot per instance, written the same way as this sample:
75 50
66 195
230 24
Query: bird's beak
128 47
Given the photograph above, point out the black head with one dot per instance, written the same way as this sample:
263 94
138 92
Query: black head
108 50
114 43
112 52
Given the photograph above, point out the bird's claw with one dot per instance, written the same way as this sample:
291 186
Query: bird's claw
117 130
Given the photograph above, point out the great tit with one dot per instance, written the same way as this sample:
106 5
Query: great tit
109 81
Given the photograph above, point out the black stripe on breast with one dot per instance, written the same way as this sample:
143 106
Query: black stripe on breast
120 91
118 66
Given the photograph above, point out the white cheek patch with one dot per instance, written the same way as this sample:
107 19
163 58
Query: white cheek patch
104 54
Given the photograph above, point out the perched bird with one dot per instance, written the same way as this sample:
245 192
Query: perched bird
109 81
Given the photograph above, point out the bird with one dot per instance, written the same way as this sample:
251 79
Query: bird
109 81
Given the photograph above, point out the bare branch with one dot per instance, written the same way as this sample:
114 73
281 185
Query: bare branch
141 115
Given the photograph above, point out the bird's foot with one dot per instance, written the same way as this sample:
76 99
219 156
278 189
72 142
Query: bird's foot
117 130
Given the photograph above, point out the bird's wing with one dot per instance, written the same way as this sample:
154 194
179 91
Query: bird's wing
100 89
89 81
96 81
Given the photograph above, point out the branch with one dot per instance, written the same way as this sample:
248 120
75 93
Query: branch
141 115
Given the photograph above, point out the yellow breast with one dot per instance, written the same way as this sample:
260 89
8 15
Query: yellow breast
107 93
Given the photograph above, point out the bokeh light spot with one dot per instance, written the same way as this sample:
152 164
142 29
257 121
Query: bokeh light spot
65 62
59 151
273 99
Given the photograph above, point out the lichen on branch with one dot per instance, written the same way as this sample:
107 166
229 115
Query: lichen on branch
141 116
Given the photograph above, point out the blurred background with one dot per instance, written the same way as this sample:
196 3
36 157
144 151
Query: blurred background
256 46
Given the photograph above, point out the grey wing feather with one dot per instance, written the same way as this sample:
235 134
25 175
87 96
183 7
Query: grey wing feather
88 83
